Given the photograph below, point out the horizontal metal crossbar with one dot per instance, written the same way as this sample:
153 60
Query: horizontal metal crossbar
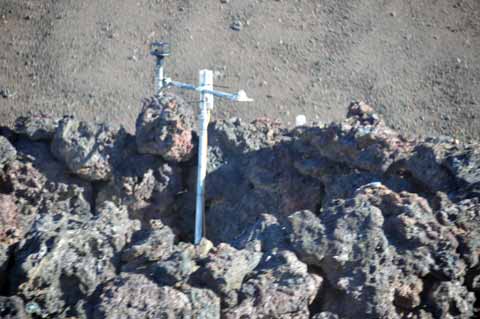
238 97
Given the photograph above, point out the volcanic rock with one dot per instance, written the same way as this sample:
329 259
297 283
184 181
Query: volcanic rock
8 219
88 150
378 245
12 308
134 296
37 127
148 245
164 127
144 183
226 268
7 151
347 220
281 288
64 258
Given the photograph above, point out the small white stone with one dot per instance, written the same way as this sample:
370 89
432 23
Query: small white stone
300 120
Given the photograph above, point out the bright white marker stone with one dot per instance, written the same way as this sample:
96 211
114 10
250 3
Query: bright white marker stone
300 120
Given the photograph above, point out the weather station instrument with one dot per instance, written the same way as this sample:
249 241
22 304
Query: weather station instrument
161 50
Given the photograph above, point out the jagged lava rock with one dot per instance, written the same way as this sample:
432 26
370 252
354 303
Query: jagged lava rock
226 267
134 296
250 174
443 164
267 234
12 308
7 151
325 315
8 219
61 268
147 246
348 220
8 233
37 179
280 288
145 183
362 141
37 127
377 250
88 150
164 128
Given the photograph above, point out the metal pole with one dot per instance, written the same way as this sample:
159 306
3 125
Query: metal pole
206 105
159 75
160 50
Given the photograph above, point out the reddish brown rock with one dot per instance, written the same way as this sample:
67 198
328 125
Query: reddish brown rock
164 128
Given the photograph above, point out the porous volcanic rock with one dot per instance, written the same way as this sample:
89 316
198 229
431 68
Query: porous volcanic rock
246 179
37 127
88 150
379 245
346 220
8 219
164 127
133 296
225 269
64 258
281 288
7 151
12 308
145 183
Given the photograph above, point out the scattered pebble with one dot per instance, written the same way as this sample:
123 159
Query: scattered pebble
33 308
300 120
236 25
6 93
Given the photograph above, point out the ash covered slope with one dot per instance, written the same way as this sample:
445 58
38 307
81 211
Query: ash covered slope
347 220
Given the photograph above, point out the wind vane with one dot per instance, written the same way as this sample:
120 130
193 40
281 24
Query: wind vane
161 50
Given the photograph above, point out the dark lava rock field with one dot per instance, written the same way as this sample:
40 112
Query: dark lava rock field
345 220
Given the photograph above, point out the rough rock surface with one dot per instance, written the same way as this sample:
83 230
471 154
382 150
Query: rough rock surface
135 296
37 127
225 270
145 183
281 288
346 220
389 249
8 219
7 151
77 253
164 127
151 301
12 308
89 150
248 178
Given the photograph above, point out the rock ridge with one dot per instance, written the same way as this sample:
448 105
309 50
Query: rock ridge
345 220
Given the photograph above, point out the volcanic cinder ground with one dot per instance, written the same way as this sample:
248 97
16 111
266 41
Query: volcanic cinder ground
415 61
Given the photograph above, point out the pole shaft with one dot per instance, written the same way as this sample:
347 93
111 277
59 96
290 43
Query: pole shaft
206 104
159 75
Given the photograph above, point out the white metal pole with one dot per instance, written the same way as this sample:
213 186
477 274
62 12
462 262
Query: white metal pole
159 75
206 105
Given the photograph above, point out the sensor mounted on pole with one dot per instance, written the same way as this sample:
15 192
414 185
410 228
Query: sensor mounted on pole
161 50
